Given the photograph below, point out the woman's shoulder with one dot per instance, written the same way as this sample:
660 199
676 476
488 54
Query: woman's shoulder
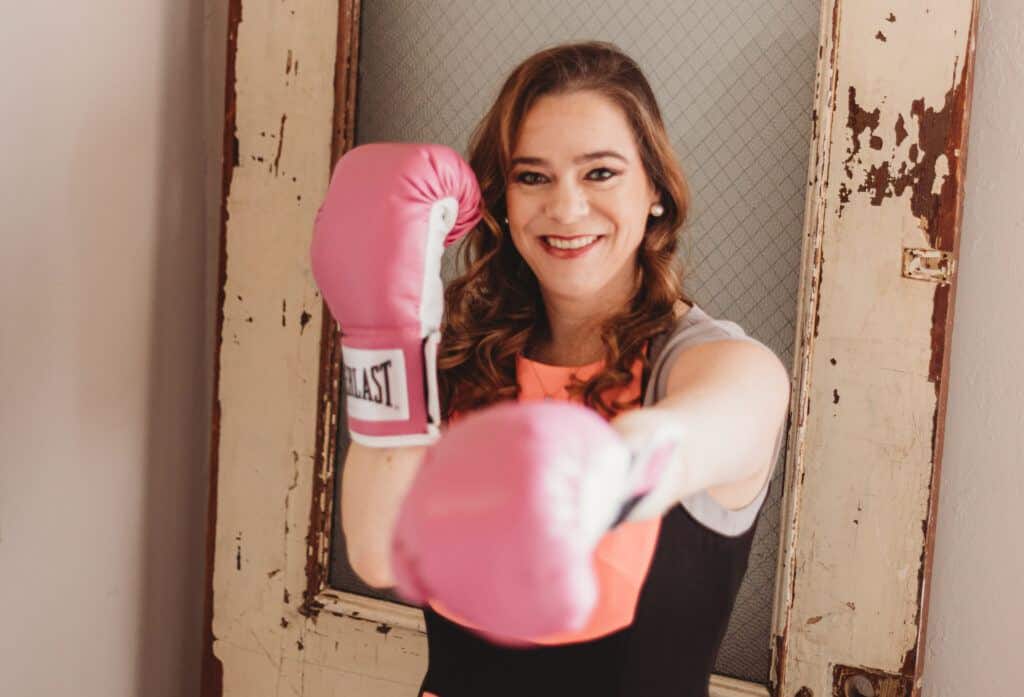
695 325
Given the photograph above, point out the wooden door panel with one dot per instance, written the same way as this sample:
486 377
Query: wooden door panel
884 195
882 230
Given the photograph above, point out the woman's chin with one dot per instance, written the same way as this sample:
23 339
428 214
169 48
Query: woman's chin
561 290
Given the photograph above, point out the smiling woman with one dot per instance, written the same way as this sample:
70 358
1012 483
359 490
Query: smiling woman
573 292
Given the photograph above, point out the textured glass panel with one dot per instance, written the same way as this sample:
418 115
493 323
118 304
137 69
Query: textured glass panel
734 79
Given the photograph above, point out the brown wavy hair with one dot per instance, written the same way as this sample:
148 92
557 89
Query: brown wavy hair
494 311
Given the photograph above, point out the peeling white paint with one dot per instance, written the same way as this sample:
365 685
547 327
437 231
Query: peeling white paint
860 472
941 172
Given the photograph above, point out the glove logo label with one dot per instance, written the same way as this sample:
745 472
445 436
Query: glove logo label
375 384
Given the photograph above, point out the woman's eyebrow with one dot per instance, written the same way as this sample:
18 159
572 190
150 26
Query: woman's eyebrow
579 160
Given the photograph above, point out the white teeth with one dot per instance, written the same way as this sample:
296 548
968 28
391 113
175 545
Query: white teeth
574 243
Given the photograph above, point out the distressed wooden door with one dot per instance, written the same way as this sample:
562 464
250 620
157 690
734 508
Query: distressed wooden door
888 118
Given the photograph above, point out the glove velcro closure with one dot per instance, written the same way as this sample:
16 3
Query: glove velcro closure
390 386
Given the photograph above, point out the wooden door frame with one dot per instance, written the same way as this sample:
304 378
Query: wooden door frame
886 72
271 622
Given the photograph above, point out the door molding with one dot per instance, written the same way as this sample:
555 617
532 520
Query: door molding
882 228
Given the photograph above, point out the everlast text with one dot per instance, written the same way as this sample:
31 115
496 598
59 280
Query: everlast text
371 384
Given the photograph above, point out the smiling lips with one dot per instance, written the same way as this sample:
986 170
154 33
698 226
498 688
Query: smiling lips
570 242
569 247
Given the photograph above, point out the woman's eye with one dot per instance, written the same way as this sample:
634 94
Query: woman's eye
525 177
607 171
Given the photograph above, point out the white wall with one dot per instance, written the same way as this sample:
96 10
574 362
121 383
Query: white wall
109 195
976 628
105 348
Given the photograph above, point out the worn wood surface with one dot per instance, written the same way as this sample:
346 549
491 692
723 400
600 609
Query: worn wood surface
278 154
882 236
884 188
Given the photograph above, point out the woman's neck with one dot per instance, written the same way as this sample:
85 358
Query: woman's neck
575 333
574 339
574 326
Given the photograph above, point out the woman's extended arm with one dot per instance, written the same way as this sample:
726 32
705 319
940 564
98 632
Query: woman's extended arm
374 482
730 397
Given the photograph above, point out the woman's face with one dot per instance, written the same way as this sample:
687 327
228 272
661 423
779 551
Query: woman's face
578 197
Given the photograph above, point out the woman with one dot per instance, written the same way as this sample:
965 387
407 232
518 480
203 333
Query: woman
571 292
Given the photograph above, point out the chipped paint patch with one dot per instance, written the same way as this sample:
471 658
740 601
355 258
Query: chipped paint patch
926 168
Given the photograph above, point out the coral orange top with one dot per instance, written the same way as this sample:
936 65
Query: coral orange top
623 556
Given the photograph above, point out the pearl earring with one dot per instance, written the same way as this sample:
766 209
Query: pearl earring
657 209
506 220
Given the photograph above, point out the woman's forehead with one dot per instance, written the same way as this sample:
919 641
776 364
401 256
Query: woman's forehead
566 127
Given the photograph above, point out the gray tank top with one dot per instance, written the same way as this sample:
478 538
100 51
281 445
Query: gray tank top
693 328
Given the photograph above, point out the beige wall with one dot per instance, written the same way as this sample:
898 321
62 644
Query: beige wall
105 347
111 139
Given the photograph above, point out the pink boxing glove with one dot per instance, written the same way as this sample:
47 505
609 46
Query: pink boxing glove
390 210
502 519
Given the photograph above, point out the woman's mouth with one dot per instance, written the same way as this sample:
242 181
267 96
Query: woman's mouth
569 247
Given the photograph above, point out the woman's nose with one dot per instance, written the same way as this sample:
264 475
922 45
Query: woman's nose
566 203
